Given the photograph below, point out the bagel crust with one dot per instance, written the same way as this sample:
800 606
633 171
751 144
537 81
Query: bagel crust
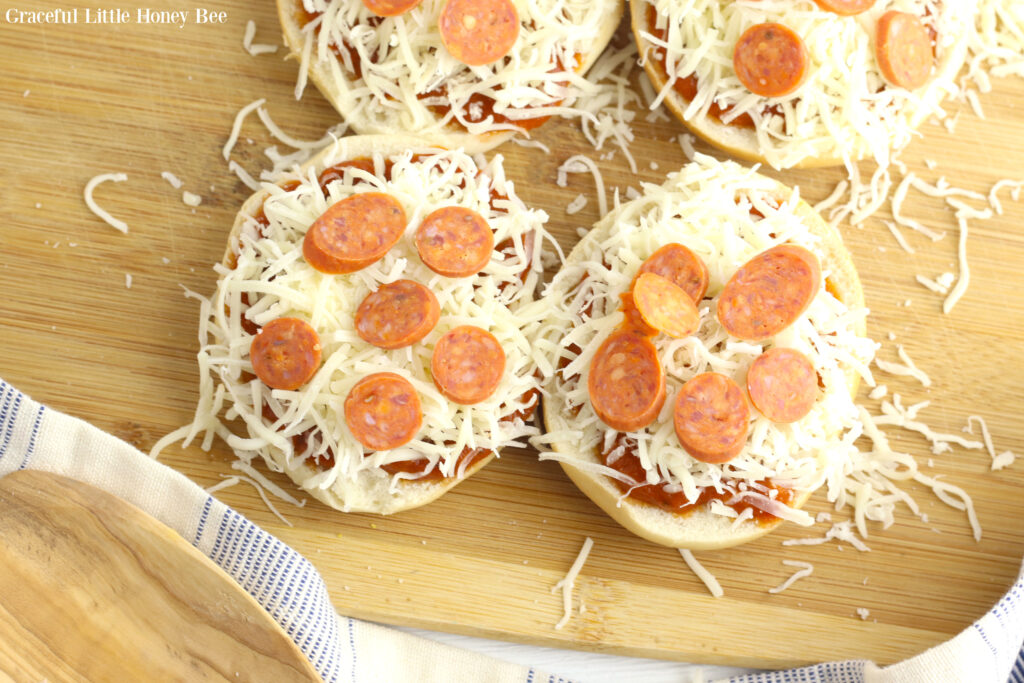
712 208
429 96
805 128
356 481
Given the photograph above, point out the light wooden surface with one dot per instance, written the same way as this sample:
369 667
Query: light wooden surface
94 589
482 560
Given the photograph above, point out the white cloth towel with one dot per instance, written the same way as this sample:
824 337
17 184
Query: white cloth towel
346 649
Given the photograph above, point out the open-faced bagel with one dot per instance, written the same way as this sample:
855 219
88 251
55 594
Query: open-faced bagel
845 107
726 215
314 425
395 75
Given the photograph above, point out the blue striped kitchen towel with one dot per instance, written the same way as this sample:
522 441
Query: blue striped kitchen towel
346 649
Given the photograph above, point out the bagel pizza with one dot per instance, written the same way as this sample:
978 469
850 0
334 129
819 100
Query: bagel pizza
365 337
803 82
459 73
703 345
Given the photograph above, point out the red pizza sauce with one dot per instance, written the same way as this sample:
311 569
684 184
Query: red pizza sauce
655 494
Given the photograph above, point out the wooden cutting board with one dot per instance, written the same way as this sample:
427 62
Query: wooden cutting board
94 589
78 100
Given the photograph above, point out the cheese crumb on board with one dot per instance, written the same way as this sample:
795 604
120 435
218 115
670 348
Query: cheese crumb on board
191 199
175 182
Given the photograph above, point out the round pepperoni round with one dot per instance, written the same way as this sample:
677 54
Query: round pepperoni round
390 8
846 8
383 411
626 382
782 384
398 314
903 49
478 32
711 418
285 354
354 233
467 364
770 60
769 292
455 241
664 306
685 269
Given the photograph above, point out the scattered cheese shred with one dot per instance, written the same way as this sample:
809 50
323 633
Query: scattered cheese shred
906 370
897 209
254 49
579 163
96 208
703 574
236 127
805 569
567 584
243 175
191 199
965 273
840 531
993 198
576 205
172 179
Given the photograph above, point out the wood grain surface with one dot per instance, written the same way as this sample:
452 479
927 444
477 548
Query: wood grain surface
84 99
94 589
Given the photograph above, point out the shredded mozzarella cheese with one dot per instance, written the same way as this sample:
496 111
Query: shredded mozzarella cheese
292 430
844 108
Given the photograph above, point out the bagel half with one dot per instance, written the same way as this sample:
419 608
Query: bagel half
707 207
844 110
264 276
412 85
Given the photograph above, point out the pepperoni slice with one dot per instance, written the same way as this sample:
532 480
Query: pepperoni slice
455 241
626 382
478 32
769 292
680 265
354 233
285 354
770 60
398 314
846 8
634 320
782 384
467 364
711 418
383 411
664 306
903 48
390 8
